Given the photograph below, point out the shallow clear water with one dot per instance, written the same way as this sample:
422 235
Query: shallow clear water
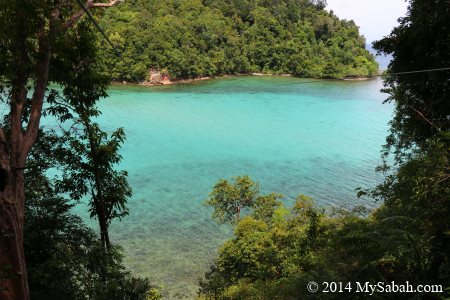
321 139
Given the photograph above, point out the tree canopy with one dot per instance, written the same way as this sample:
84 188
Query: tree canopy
42 42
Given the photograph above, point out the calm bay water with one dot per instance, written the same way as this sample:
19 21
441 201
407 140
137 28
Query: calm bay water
321 139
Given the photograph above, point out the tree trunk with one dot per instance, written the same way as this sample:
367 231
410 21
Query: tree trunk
238 214
99 201
13 275
13 156
102 222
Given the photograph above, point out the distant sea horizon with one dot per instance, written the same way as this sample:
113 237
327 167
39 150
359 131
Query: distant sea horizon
382 60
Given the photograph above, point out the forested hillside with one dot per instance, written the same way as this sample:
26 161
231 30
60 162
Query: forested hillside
193 38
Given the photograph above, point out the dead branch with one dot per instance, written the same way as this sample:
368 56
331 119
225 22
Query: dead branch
428 121
89 4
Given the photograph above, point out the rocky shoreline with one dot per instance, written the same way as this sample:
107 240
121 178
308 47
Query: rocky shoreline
191 80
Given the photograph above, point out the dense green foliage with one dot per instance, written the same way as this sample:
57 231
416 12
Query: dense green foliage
275 255
195 38
419 191
422 104
407 238
65 258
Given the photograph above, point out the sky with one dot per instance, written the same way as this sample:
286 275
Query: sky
375 18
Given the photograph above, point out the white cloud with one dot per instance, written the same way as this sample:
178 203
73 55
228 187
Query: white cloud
376 18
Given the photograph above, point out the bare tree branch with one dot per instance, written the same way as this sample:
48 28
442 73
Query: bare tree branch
111 3
38 94
89 4
73 19
428 121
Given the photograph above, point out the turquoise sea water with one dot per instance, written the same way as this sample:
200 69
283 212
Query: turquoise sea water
322 139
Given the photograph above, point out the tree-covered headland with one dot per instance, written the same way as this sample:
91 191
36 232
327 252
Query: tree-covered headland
194 38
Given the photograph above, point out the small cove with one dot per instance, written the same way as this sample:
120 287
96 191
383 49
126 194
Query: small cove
293 136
